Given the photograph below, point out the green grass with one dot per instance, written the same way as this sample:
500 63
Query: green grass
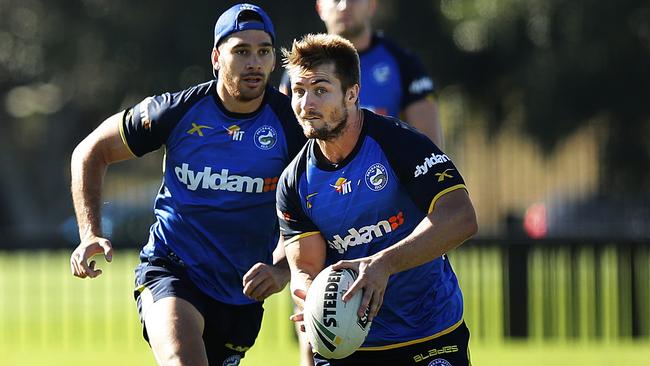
48 317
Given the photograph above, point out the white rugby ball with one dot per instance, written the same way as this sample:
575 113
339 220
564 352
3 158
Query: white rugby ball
332 326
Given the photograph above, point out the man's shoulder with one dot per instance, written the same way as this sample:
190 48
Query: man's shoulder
196 91
392 133
399 52
276 100
296 167
180 101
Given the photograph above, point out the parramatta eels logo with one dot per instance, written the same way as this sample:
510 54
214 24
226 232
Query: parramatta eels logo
265 137
376 177
439 362
232 360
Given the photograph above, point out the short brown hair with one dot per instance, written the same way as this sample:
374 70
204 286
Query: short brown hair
314 50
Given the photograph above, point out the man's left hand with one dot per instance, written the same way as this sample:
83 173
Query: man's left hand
263 280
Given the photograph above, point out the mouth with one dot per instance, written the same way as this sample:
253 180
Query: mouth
310 118
252 81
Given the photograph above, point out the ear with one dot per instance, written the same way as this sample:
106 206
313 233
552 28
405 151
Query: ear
318 10
352 94
215 58
372 7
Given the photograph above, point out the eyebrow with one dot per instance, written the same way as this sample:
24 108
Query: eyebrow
321 80
244 45
314 82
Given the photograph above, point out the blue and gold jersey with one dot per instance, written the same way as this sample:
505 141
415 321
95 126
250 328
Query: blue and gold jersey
391 78
370 201
216 207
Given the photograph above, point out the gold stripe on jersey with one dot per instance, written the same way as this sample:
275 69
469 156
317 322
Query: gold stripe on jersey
442 193
303 235
121 125
408 343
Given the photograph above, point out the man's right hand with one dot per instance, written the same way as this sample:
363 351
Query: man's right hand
299 297
86 250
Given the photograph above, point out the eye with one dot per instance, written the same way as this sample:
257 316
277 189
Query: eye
265 51
298 91
241 52
321 91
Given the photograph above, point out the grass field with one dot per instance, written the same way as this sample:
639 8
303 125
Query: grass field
47 317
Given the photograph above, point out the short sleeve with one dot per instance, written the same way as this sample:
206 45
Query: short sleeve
146 126
294 222
416 83
423 169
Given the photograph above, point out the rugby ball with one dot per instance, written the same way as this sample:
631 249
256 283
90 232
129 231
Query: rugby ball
332 326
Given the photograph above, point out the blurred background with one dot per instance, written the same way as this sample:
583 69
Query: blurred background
545 110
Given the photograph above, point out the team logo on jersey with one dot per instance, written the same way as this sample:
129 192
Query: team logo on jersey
265 137
235 132
366 234
342 185
232 360
198 129
308 202
443 175
381 73
439 362
376 177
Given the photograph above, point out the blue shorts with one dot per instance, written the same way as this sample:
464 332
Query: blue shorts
230 330
450 349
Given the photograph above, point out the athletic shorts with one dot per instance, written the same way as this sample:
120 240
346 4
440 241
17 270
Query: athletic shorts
230 330
450 349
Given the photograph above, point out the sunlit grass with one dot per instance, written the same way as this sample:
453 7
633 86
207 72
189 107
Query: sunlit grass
48 317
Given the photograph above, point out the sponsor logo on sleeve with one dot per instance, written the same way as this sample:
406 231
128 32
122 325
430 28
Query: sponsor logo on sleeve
421 85
145 119
428 163
443 175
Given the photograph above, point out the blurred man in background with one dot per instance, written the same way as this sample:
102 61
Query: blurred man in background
394 81
209 262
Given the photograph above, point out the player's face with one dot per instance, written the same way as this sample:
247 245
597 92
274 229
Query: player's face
319 103
245 61
346 18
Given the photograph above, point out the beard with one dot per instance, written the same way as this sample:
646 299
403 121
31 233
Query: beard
240 92
338 118
353 31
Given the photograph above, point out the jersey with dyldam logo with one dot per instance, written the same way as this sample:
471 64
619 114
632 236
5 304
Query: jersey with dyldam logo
216 207
370 201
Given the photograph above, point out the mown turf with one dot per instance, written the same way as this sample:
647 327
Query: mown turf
47 317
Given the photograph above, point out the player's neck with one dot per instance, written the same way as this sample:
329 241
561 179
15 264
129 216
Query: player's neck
363 40
338 149
235 105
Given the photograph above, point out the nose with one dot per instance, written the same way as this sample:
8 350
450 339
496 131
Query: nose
307 102
254 62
